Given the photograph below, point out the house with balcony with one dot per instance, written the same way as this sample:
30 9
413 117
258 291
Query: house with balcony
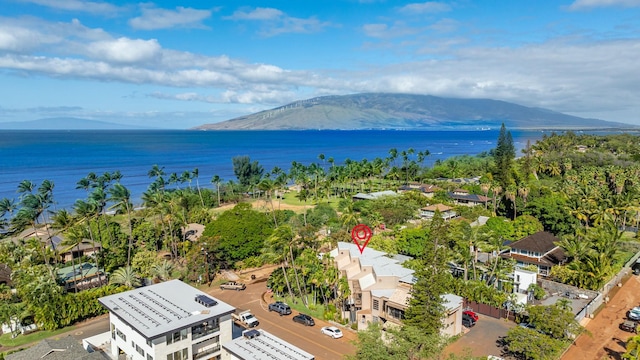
170 320
446 212
381 289
464 198
539 250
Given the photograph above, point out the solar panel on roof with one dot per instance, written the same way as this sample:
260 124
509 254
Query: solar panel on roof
206 301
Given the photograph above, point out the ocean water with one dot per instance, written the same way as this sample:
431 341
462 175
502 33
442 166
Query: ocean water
65 157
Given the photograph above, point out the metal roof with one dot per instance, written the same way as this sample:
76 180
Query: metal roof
261 345
162 308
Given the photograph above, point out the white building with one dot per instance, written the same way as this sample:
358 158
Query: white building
167 321
261 345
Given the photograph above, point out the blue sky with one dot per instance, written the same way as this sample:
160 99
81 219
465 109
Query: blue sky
178 64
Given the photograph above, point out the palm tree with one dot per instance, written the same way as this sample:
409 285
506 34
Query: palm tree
194 174
276 249
162 271
510 194
125 276
121 197
216 180
73 239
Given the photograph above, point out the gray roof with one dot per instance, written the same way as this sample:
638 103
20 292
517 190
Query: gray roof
260 345
163 308
50 349
375 195
382 264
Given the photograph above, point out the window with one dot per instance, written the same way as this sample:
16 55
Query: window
179 355
121 335
149 343
395 313
376 304
139 350
177 336
149 357
205 328
113 331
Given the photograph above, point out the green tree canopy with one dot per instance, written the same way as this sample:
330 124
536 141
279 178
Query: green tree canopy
247 172
238 233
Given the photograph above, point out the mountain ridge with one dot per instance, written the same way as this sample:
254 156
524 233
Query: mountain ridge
67 123
373 111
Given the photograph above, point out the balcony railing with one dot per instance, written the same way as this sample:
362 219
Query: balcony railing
204 353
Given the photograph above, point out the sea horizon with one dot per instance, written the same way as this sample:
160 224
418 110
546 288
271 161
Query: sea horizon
66 156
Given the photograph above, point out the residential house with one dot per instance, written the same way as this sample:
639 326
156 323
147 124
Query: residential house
85 248
62 349
462 197
446 212
380 288
424 189
81 277
538 250
170 320
373 195
522 279
257 344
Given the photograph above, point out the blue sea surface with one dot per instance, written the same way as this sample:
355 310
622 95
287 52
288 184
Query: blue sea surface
67 156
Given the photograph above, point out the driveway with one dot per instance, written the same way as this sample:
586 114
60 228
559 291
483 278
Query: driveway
481 340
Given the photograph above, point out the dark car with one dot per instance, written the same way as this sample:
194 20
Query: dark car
468 322
630 326
304 319
280 307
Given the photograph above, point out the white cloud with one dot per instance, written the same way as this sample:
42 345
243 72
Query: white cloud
276 22
94 7
590 4
153 19
384 31
124 50
429 7
256 14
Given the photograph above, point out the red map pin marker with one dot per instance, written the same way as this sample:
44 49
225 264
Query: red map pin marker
361 234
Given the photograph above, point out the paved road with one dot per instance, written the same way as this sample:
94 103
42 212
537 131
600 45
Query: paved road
308 338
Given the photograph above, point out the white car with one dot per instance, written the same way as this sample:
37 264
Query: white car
332 331
634 314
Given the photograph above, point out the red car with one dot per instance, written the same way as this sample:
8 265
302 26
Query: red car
471 314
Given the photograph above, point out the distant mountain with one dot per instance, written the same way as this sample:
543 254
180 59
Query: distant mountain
65 124
408 112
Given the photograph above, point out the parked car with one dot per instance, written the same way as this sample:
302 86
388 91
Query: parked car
630 326
280 307
468 322
634 314
304 319
232 285
527 325
471 313
468 318
332 331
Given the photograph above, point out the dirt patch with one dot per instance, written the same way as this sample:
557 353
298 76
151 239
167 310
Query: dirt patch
605 339
266 206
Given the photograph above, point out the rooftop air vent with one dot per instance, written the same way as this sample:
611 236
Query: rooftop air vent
205 301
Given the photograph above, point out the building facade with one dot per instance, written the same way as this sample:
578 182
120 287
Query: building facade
167 321
381 288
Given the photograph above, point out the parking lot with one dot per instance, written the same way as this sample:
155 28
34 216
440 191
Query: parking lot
481 340
308 338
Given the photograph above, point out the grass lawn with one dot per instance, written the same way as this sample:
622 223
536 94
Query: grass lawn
290 198
6 340
315 311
